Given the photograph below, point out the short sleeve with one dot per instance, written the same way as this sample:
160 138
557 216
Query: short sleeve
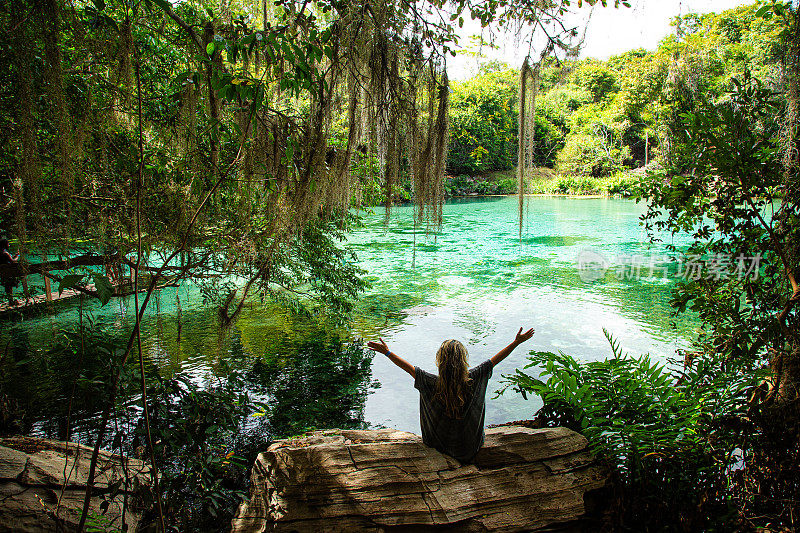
418 378
424 382
482 371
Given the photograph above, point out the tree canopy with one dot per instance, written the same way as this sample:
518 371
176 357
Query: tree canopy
216 133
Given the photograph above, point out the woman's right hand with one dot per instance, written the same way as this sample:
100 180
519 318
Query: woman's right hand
380 347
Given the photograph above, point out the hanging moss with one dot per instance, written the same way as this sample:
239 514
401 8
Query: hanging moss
28 190
54 84
791 69
269 156
528 86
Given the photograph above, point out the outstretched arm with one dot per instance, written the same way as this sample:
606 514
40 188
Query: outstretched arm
393 357
505 352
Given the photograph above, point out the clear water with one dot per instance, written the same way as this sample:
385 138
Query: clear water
475 280
478 282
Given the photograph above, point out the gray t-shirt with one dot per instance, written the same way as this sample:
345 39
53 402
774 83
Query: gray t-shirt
460 438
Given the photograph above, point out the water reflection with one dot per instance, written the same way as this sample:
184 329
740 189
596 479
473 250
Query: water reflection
317 383
305 375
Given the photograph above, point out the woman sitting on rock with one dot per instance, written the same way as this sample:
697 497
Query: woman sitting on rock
452 405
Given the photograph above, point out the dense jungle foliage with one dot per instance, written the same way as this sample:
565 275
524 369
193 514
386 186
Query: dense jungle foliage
596 120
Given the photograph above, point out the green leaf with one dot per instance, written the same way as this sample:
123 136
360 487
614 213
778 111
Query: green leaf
210 48
69 281
99 4
763 10
111 22
103 287
287 50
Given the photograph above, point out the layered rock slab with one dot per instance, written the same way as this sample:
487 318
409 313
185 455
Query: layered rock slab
43 482
385 480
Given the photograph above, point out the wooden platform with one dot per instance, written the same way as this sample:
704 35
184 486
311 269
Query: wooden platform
27 304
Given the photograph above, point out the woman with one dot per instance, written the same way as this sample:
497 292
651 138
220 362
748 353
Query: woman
452 405
9 282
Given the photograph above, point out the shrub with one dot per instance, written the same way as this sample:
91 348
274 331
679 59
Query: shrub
669 439
195 429
507 186
589 155
621 183
574 185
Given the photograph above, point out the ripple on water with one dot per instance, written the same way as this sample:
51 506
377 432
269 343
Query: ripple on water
457 281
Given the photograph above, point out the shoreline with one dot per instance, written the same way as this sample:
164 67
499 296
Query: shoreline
535 194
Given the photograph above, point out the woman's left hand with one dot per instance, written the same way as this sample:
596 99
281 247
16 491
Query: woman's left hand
522 337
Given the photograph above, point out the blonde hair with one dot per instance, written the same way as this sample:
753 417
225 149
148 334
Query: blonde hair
454 381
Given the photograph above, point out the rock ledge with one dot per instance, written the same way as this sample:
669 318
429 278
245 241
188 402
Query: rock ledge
42 485
384 480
